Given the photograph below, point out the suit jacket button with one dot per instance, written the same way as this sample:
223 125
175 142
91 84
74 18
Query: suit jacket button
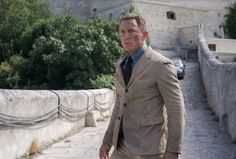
126 90
125 104
118 118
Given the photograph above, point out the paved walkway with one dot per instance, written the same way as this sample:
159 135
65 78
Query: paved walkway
202 139
84 145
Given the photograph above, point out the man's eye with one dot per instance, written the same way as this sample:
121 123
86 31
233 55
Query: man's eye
132 31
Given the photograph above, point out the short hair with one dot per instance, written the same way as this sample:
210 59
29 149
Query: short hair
139 19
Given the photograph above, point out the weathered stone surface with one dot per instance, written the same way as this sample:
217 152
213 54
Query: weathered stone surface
220 86
15 141
181 31
86 9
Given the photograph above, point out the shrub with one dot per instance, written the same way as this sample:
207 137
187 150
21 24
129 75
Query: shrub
41 51
103 81
230 23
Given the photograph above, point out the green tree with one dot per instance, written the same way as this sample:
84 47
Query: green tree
230 24
93 49
6 72
41 51
15 17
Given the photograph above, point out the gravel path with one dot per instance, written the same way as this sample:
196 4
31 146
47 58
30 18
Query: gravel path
202 139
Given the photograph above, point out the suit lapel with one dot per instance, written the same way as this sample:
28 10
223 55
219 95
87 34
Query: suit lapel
140 66
120 74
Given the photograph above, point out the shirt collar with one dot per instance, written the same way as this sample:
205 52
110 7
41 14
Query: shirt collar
136 56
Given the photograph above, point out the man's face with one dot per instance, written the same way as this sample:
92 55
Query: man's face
132 38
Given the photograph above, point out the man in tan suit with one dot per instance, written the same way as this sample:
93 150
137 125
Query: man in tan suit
147 121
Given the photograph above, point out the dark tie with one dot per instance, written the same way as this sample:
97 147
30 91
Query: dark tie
127 71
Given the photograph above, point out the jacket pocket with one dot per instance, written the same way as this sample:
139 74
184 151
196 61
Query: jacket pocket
151 121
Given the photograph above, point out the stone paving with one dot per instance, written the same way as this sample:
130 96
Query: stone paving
84 145
202 138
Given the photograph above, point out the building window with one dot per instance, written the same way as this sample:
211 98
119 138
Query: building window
110 16
94 13
171 15
94 9
212 47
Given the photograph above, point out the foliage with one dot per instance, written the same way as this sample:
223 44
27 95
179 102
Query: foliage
15 16
103 81
93 49
5 73
41 51
230 25
132 9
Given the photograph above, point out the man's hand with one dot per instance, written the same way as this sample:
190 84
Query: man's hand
104 151
170 155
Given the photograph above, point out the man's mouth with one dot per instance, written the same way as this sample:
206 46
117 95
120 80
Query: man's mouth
127 43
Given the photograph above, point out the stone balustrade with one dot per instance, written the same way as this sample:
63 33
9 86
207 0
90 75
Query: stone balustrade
44 116
220 86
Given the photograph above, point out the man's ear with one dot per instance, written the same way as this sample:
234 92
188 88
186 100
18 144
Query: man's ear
145 35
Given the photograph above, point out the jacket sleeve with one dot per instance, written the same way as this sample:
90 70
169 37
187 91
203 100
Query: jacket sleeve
173 99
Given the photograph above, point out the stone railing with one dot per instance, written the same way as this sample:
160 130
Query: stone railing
34 118
219 81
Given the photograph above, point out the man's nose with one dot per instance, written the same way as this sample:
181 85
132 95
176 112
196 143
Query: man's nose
127 35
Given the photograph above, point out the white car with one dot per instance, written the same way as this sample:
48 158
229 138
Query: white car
180 67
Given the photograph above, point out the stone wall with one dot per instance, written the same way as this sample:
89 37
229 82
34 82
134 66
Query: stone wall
223 45
202 4
187 37
109 9
68 110
165 32
220 86
225 57
225 49
86 9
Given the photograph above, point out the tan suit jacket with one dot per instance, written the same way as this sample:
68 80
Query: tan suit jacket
151 103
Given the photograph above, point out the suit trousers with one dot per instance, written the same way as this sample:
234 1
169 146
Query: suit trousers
123 153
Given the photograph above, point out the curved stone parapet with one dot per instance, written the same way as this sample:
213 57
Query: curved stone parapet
45 116
220 85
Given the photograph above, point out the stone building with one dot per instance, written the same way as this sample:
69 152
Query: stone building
175 22
86 9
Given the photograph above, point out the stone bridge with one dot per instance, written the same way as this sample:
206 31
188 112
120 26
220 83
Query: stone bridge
202 137
71 124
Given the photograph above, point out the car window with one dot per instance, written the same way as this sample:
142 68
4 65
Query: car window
178 62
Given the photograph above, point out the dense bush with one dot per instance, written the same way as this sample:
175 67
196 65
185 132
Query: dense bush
41 51
234 60
230 25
